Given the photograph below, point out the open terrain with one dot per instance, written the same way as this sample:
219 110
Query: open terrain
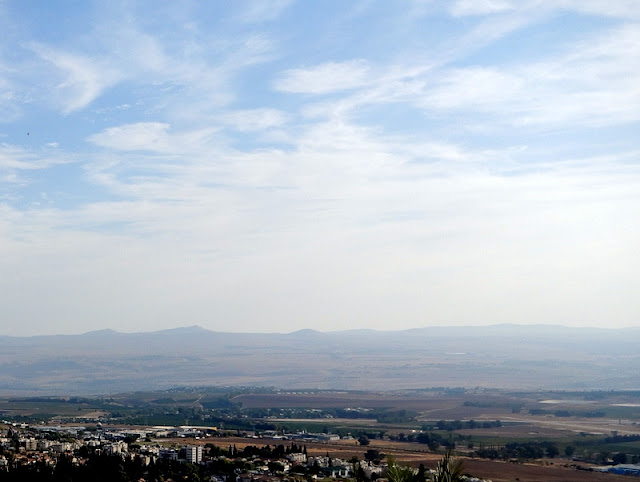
499 356
407 454
567 394
596 425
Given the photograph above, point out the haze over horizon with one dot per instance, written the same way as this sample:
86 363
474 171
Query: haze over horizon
275 165
486 330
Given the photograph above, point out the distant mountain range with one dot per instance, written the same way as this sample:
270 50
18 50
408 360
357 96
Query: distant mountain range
498 356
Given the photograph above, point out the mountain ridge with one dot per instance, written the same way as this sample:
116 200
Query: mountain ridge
493 356
201 329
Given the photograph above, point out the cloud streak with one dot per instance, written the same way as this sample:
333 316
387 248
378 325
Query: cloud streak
325 78
81 80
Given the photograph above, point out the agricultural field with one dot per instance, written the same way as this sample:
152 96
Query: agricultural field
500 434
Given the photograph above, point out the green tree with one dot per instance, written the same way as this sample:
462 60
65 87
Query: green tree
421 476
275 467
372 455
552 451
395 473
448 469
619 458
358 471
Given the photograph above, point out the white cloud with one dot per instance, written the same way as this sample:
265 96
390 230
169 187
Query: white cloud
152 137
14 158
325 78
595 83
353 231
256 11
592 83
139 52
626 9
344 223
475 87
254 119
185 79
9 95
141 136
83 79
481 7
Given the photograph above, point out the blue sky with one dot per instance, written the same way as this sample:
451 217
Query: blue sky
276 165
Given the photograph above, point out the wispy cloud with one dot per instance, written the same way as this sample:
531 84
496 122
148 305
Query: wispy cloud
145 136
481 7
19 159
624 8
325 78
153 137
254 119
592 83
81 79
263 10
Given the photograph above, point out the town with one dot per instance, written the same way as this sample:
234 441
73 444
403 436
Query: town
187 453
244 434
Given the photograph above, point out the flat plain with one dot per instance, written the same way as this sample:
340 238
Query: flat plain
595 424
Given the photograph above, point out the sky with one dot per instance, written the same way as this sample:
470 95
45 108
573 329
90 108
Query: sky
275 165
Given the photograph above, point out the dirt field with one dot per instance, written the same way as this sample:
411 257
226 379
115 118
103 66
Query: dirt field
434 406
577 425
507 472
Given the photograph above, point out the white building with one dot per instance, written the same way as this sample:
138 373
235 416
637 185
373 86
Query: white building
297 457
194 454
116 447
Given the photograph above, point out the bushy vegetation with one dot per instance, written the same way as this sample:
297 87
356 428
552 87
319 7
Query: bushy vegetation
520 450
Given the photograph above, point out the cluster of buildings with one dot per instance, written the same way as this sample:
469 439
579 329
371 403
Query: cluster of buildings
44 444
